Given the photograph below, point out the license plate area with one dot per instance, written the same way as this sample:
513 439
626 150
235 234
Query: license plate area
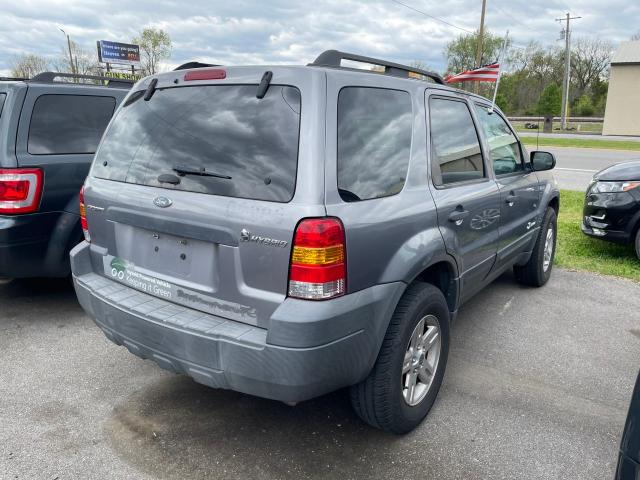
168 256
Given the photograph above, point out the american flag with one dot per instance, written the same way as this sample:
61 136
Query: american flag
487 73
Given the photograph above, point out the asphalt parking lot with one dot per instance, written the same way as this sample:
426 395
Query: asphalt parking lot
537 386
576 166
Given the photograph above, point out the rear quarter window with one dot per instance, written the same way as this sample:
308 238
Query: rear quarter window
374 142
68 124
3 97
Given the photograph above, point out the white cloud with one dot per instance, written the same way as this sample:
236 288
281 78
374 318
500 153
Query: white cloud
280 31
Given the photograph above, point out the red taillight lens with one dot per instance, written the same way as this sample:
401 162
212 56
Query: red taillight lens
83 217
20 190
318 269
206 74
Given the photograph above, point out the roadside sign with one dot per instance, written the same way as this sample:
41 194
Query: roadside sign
119 53
123 75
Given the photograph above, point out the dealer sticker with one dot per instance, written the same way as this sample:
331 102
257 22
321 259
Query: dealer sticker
125 272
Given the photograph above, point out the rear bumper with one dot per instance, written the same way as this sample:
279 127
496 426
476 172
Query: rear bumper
37 245
337 340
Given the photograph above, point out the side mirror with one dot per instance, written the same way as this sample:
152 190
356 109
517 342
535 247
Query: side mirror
541 161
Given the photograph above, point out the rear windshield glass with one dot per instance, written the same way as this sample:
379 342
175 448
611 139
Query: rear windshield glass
3 96
218 140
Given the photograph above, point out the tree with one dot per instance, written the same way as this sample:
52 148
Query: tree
550 104
590 58
461 52
28 65
636 36
584 107
155 46
84 63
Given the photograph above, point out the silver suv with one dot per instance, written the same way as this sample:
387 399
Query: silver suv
287 231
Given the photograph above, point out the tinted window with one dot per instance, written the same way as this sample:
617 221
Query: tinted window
3 97
374 142
223 129
503 145
67 124
456 154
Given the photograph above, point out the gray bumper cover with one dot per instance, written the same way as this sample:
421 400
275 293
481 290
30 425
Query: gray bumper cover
304 354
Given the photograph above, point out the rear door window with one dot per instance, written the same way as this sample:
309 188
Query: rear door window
374 142
68 124
3 97
504 147
456 154
217 139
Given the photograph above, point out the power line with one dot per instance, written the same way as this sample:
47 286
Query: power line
431 16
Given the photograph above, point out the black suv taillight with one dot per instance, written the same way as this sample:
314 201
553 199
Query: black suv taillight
20 190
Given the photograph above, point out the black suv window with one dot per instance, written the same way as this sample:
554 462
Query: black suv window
456 153
216 139
68 124
374 142
503 145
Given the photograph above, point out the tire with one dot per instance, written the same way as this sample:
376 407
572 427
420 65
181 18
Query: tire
638 243
380 400
535 273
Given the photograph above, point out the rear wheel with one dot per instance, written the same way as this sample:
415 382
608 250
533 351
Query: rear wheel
638 243
537 271
406 378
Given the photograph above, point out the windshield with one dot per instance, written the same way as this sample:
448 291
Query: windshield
218 140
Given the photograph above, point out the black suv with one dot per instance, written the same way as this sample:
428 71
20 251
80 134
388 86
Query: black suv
50 127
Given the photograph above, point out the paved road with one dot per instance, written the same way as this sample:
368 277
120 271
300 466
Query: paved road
537 387
580 135
576 166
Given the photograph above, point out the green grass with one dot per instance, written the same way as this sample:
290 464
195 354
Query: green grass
577 251
580 127
583 143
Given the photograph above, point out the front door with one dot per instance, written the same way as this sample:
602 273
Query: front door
466 196
519 192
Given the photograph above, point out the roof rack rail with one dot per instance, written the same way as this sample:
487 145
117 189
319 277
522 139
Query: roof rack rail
12 79
333 58
188 65
49 77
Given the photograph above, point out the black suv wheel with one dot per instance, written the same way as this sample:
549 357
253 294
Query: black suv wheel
406 378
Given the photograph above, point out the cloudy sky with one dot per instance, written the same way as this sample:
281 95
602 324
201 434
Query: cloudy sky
288 31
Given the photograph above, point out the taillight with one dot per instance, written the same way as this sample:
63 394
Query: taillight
20 190
318 264
83 216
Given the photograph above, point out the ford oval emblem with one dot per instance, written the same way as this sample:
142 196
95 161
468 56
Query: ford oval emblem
162 202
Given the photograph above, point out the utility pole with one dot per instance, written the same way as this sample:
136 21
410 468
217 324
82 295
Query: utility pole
71 63
567 67
480 42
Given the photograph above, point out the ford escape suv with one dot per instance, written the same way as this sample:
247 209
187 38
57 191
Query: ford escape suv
50 127
287 231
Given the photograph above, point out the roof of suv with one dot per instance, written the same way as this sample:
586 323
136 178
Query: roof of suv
71 80
333 60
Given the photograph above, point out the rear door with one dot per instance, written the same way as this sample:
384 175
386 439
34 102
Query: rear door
195 194
519 192
466 196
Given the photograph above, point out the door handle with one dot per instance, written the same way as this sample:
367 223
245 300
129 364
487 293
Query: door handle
458 215
511 198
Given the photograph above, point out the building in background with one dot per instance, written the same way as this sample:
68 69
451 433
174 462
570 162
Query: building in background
622 115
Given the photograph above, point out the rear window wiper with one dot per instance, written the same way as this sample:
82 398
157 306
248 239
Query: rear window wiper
182 171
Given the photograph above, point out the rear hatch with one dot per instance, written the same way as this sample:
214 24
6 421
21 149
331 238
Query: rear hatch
193 195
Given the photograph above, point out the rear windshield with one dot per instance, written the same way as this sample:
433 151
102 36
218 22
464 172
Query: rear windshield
218 140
